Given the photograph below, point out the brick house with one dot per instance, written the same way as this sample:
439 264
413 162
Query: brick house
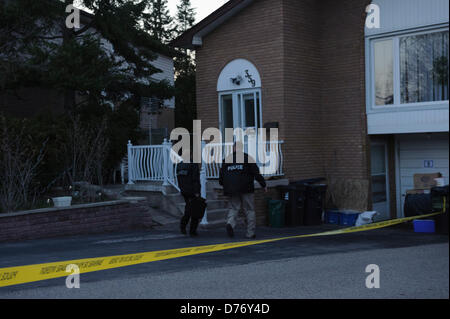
310 65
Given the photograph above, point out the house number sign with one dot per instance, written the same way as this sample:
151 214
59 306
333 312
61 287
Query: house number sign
250 79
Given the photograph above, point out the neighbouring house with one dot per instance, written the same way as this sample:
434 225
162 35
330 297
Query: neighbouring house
407 94
157 117
366 108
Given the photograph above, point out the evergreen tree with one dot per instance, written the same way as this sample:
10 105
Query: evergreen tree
185 18
157 20
185 86
107 60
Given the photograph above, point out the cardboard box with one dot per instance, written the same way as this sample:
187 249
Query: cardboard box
425 181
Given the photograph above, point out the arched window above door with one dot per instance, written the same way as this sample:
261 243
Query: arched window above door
240 101
239 74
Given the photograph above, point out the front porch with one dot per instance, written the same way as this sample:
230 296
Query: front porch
157 164
152 168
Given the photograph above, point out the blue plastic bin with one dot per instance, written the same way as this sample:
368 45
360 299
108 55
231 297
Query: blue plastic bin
424 226
332 217
349 218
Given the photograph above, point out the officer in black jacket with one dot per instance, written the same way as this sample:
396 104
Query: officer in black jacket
237 178
188 175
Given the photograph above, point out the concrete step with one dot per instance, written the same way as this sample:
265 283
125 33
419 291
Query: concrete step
161 219
145 186
217 214
151 186
216 204
213 204
211 194
221 223
212 184
176 198
169 190
213 224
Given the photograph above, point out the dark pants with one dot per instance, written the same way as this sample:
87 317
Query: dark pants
188 216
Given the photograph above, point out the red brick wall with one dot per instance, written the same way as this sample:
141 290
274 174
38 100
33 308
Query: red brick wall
343 87
120 216
345 140
310 55
302 65
254 34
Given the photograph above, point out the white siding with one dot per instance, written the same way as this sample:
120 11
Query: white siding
413 150
165 64
396 15
408 121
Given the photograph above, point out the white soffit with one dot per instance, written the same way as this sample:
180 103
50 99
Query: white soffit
400 15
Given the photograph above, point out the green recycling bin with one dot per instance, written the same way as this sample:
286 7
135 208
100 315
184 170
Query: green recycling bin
276 213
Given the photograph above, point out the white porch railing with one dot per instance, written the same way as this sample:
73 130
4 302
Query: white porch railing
159 162
269 160
156 163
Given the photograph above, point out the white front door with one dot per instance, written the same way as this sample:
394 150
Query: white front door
240 109
380 181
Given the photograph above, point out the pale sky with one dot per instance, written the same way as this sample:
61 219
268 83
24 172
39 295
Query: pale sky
202 7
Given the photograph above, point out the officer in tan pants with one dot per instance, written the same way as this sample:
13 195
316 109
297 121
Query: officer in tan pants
237 177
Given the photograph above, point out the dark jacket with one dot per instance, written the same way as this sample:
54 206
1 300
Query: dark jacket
239 178
188 175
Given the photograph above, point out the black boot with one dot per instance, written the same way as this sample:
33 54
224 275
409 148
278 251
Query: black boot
230 231
193 228
183 224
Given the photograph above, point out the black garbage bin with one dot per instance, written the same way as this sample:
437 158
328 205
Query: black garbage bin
294 203
417 204
315 203
440 203
301 203
439 198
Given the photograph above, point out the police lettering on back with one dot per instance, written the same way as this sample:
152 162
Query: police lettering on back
183 172
235 168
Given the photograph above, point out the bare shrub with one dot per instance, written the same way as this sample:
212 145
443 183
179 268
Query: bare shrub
20 160
85 151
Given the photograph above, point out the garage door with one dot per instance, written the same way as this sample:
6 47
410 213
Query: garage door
421 153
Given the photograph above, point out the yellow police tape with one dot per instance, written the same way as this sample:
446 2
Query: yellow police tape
37 272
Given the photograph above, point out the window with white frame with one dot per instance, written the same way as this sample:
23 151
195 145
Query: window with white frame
240 109
411 68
